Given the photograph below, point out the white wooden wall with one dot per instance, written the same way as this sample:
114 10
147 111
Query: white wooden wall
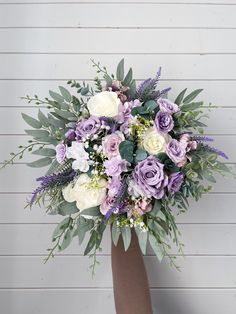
45 43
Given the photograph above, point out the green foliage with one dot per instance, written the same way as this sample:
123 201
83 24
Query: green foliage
142 238
66 208
42 162
126 149
126 236
120 71
140 154
31 121
155 245
116 232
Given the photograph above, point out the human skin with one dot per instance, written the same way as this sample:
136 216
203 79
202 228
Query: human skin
130 282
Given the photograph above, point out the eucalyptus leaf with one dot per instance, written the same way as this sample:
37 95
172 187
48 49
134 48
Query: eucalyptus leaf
92 211
126 149
91 242
68 237
66 208
120 70
191 106
115 232
60 227
40 162
43 119
156 208
31 121
38 133
83 226
140 155
57 97
126 235
64 114
48 152
65 93
54 166
142 239
156 247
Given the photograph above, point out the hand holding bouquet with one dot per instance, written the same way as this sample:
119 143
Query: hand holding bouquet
121 156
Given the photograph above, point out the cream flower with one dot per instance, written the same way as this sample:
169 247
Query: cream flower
104 104
154 142
85 195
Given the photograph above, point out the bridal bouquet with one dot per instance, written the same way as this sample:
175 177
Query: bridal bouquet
121 156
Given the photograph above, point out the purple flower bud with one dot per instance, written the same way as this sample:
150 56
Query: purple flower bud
70 134
60 153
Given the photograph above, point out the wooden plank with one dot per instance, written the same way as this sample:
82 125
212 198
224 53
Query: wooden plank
75 15
191 2
18 125
178 301
12 90
172 40
197 67
212 208
25 180
196 272
31 239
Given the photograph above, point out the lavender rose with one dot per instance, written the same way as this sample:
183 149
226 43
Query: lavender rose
167 106
107 204
150 177
125 110
175 181
110 144
164 122
60 153
177 152
86 127
115 166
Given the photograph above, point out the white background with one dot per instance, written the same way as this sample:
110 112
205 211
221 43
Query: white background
45 43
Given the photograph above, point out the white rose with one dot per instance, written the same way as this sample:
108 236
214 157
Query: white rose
84 195
153 142
104 104
76 151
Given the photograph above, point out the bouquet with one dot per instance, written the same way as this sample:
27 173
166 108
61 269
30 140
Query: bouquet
121 156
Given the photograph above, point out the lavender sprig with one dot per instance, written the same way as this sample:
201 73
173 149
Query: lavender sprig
118 204
146 90
52 180
216 151
200 138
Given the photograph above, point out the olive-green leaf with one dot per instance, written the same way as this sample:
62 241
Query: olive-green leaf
47 152
43 119
31 121
140 155
180 97
83 226
120 70
40 162
128 78
91 242
65 93
126 235
192 95
92 211
68 237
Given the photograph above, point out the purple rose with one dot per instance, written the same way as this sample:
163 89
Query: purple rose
110 144
167 106
87 127
107 204
115 166
164 122
60 153
177 152
70 134
175 181
150 177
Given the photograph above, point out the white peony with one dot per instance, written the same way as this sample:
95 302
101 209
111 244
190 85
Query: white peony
76 151
84 195
104 104
153 142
